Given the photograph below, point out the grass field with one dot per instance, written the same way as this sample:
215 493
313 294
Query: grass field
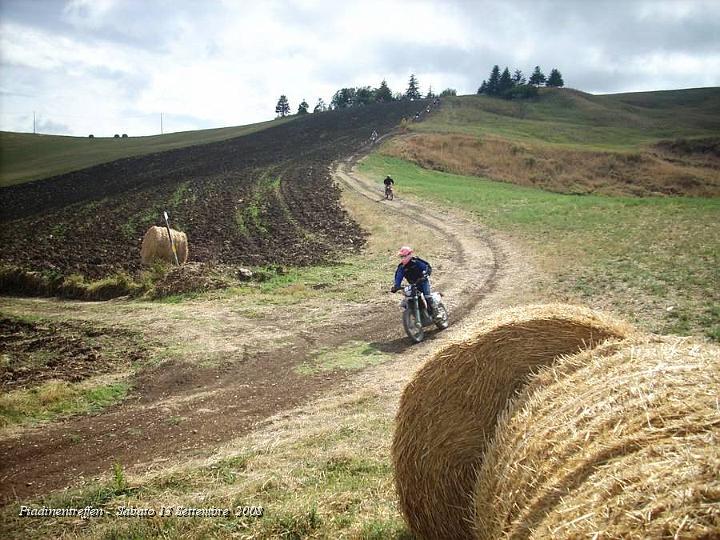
655 260
579 120
571 142
25 157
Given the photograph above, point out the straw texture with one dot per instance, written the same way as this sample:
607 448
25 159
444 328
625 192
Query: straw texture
449 411
156 245
618 442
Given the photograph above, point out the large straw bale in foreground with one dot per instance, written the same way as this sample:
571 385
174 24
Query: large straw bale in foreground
449 410
156 245
619 446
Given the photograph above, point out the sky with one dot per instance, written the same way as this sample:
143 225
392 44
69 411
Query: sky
115 66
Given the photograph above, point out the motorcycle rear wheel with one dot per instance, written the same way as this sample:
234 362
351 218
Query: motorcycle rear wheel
413 328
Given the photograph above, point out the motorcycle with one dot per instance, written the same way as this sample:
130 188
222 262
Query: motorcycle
416 315
389 195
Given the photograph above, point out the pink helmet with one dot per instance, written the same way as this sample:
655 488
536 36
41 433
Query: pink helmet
405 254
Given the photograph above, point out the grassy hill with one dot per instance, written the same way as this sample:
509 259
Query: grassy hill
569 141
25 157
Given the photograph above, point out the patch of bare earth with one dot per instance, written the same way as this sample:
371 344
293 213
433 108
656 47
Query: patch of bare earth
220 374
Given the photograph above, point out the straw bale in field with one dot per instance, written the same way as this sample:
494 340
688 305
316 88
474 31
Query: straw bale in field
449 410
156 245
619 446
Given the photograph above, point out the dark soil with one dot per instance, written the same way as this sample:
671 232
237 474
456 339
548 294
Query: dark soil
36 352
258 199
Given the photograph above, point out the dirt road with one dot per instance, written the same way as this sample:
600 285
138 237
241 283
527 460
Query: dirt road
182 409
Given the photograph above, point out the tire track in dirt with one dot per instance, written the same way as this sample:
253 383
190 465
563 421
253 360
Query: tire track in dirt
476 257
220 403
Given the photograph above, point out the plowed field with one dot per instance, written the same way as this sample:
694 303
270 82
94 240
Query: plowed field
259 199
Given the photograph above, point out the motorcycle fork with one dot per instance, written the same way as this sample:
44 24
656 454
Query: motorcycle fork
416 308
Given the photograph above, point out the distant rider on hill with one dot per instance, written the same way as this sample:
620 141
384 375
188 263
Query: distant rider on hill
416 271
388 185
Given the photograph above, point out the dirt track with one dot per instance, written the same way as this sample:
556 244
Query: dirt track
255 379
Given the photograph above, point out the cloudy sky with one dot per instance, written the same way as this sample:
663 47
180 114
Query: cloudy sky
112 66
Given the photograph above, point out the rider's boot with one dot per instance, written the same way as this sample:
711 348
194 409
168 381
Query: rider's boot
434 313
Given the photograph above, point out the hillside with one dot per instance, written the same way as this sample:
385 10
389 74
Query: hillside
572 142
261 198
25 157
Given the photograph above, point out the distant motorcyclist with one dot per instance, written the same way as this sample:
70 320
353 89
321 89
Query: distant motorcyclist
416 271
388 186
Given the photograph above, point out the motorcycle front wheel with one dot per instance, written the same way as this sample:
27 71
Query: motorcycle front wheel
413 328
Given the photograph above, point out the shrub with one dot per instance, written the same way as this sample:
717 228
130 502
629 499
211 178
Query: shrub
124 136
521 91
91 136
116 136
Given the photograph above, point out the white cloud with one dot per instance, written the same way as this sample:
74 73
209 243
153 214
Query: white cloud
100 64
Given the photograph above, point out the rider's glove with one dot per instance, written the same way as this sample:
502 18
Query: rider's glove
394 289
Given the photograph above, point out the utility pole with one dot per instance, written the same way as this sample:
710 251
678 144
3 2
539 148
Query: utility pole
33 122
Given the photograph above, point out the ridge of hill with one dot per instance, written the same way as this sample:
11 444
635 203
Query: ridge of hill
25 157
568 141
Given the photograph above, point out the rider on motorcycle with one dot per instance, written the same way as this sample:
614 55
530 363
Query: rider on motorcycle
416 271
388 185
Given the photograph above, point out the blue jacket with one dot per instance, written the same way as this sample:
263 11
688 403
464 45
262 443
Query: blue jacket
414 271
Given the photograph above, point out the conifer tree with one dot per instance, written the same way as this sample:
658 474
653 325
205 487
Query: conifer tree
555 79
283 107
493 83
537 78
518 77
413 91
303 108
506 83
383 93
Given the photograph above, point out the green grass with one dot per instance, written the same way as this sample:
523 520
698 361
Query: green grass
575 119
351 356
656 260
25 157
55 399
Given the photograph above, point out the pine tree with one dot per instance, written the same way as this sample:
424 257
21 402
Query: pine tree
537 78
283 107
383 93
303 108
483 88
430 94
505 83
493 84
518 77
555 79
320 107
449 92
413 91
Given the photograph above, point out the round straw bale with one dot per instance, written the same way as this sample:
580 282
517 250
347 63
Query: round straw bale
625 445
156 245
449 410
